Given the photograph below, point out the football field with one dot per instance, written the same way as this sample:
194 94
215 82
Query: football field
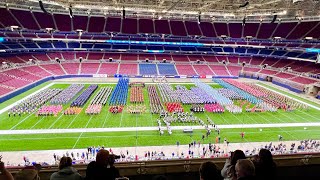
25 130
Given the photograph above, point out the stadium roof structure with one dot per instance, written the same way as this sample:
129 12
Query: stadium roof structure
207 10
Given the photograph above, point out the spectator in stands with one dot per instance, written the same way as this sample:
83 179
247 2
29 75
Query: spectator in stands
208 171
66 171
28 173
245 169
103 167
265 166
4 173
228 172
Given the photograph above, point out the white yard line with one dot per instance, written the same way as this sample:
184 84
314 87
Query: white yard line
55 121
307 120
21 121
223 119
81 133
281 127
77 141
121 117
37 122
73 120
105 119
315 107
123 129
26 97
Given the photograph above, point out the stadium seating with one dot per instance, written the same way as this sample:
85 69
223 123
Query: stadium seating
202 69
95 56
54 69
185 70
251 69
36 70
89 68
95 24
303 80
195 58
71 68
4 90
129 57
166 69
41 57
82 55
68 56
207 65
128 69
161 57
268 72
55 55
284 75
234 70
180 58
12 81
148 69
220 70
20 74
108 68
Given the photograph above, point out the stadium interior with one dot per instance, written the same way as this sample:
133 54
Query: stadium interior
130 60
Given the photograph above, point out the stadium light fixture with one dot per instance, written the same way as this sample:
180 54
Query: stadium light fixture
49 30
308 38
13 28
79 31
224 36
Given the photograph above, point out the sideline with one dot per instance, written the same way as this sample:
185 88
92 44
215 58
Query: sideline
124 129
26 97
16 157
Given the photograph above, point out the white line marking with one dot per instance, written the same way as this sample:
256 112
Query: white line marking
235 126
121 117
77 141
37 122
81 133
133 135
21 121
26 97
73 120
105 119
55 121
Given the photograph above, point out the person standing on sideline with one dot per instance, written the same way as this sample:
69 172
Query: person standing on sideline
242 135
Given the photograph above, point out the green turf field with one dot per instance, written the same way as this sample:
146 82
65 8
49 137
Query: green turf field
143 138
147 138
